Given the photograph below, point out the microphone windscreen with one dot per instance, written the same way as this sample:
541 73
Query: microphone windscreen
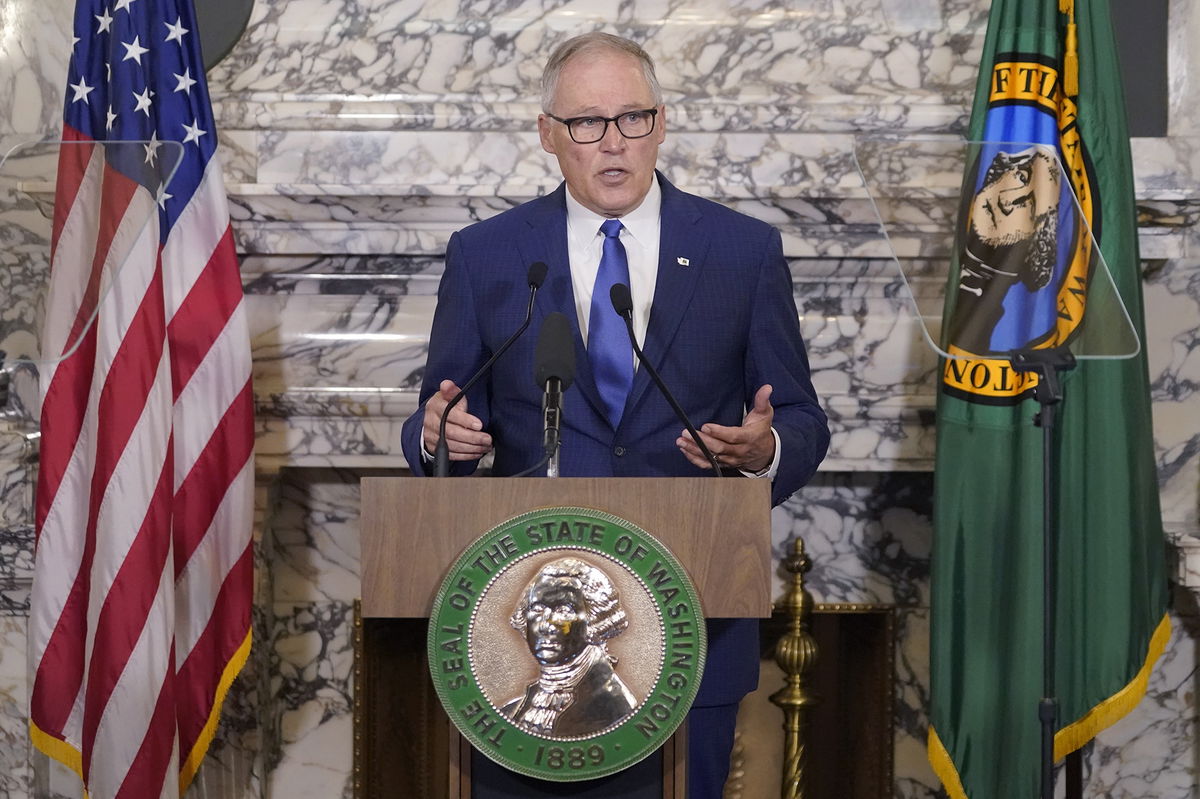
554 355
622 302
537 274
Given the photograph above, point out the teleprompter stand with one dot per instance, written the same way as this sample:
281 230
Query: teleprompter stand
1048 365
977 297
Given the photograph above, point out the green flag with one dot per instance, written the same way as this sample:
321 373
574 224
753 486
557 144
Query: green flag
1041 83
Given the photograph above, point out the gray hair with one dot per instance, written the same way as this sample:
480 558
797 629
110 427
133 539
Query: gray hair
592 42
605 616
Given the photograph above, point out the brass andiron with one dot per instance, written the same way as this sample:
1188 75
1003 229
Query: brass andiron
796 654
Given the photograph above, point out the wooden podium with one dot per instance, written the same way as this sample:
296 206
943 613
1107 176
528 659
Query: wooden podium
414 528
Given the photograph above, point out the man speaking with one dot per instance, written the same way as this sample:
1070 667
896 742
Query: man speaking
712 306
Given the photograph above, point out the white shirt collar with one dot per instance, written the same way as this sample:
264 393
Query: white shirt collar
642 223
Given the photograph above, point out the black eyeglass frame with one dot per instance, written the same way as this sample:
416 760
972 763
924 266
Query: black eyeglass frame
653 112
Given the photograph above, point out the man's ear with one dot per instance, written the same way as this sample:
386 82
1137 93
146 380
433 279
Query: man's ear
662 124
544 134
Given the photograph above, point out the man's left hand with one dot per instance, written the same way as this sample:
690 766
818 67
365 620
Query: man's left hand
750 447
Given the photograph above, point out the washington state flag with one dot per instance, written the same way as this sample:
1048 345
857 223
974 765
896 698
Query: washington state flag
1047 192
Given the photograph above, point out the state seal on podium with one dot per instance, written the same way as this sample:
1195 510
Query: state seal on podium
566 643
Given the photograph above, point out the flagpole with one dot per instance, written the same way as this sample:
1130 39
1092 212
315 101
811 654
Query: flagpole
1047 364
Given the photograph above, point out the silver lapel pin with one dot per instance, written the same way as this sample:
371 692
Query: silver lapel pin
682 261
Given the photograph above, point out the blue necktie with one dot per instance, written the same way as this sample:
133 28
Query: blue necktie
608 345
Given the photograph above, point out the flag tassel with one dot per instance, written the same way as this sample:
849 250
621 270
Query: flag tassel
1071 53
1071 60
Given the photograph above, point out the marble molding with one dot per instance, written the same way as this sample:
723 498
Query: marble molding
377 64
357 136
1183 115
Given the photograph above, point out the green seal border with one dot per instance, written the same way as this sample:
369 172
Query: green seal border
586 531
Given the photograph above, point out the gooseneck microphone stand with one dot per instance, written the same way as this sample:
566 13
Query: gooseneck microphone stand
1047 364
622 302
441 451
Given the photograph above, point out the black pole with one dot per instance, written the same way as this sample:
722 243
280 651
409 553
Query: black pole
1048 707
1047 364
5 382
1074 775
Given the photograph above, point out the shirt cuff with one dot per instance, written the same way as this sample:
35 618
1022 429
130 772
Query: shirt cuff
773 468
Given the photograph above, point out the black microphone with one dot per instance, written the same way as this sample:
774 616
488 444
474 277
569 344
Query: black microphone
553 371
622 303
441 453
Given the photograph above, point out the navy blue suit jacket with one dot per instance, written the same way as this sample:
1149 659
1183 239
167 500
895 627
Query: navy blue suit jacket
720 327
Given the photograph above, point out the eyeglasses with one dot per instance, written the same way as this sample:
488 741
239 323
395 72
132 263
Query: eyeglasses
589 130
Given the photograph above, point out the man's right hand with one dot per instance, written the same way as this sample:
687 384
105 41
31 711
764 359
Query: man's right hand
464 432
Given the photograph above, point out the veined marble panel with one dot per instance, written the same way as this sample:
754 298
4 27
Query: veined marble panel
867 534
311 666
315 538
1183 113
18 451
15 771
1173 348
844 114
24 255
313 441
16 570
1168 191
1168 169
35 39
913 776
722 165
407 191
439 58
309 64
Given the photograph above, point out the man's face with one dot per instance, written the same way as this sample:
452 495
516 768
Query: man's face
1018 189
556 621
611 176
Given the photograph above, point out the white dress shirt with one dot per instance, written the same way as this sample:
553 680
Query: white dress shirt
640 236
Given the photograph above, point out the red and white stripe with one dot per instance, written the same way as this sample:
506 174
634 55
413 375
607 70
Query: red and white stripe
142 592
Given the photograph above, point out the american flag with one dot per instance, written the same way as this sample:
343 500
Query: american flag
140 615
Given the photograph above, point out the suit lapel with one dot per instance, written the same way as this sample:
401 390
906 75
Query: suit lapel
681 236
549 244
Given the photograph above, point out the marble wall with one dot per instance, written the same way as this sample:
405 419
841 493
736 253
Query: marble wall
359 134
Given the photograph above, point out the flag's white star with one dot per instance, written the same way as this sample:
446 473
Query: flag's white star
194 132
111 119
105 21
152 147
82 90
122 4
176 31
134 50
186 81
163 197
143 101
